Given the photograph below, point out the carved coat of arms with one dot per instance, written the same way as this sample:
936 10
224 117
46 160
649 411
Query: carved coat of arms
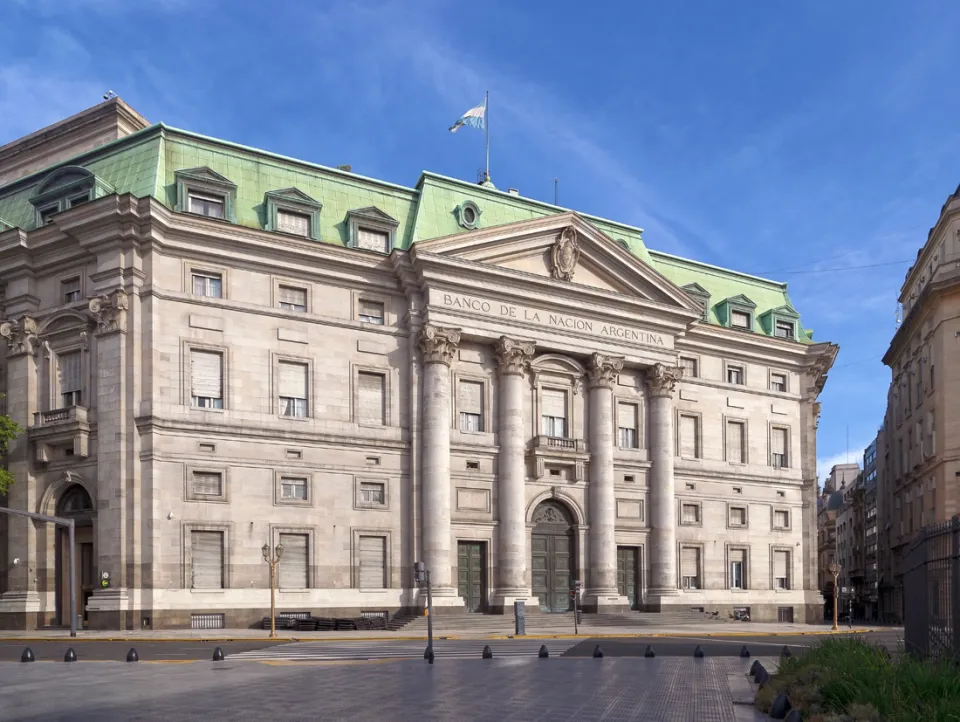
566 253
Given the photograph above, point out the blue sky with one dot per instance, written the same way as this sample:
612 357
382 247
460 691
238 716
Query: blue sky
784 142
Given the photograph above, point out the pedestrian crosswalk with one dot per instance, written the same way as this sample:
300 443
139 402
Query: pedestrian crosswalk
443 649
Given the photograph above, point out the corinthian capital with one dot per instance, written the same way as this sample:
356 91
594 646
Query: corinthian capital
661 379
21 336
110 311
438 344
513 356
603 370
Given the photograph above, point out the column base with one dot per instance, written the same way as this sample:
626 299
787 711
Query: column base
24 611
604 602
502 602
441 597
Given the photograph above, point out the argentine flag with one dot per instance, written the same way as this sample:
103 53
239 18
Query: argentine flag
474 117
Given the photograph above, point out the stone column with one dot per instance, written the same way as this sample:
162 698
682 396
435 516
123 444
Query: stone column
438 345
601 588
513 583
661 381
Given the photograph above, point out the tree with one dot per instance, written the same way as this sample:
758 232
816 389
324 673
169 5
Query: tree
9 430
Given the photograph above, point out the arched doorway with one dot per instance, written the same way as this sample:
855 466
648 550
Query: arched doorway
75 503
552 562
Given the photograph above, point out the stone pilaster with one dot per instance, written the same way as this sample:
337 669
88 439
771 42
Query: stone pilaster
438 346
601 591
513 582
661 382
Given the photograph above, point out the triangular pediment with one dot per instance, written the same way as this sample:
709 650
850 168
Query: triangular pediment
785 311
567 249
372 213
202 173
741 300
293 195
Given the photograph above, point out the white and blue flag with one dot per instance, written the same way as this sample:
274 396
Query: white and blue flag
475 118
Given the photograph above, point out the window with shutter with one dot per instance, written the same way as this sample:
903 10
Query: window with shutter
207 483
735 375
206 379
70 288
370 399
371 311
783 329
292 388
735 442
689 366
207 284
470 401
781 569
778 450
293 568
293 488
292 298
373 562
778 382
373 493
207 205
627 425
738 516
739 319
690 567
296 223
206 560
781 520
553 412
738 567
689 437
68 367
690 513
373 240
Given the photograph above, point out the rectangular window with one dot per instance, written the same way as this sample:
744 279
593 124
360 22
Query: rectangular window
471 406
738 516
207 205
293 570
371 404
206 379
47 214
689 366
739 319
781 569
735 375
783 329
554 413
689 436
371 311
209 285
70 288
690 513
296 223
627 425
690 567
206 560
372 560
781 520
778 382
738 579
292 298
78 200
735 441
373 493
206 483
778 448
373 240
293 488
292 389
68 366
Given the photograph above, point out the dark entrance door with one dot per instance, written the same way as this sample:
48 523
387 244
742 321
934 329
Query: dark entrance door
552 556
628 574
471 570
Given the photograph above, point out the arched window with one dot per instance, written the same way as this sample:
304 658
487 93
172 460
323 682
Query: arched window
75 500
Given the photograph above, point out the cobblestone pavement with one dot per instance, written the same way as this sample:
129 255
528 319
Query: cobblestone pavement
654 690
442 648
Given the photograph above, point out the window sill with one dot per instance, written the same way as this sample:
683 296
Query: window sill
206 408
208 591
290 502
208 499
294 418
306 590
372 507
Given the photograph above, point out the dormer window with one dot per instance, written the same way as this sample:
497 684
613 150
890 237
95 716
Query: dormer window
702 296
371 229
47 214
293 212
296 223
740 319
782 322
205 193
66 188
737 312
78 200
373 240
784 329
207 205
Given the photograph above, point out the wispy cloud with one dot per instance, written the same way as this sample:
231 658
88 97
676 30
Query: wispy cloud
854 456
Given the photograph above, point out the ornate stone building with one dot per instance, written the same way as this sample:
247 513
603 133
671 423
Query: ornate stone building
213 347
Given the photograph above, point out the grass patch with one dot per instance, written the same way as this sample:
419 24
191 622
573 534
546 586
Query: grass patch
844 679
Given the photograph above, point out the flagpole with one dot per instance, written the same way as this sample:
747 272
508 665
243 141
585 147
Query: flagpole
486 127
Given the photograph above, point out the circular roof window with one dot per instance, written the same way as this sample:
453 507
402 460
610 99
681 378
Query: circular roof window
468 214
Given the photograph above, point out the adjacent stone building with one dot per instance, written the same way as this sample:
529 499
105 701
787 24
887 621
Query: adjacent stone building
214 347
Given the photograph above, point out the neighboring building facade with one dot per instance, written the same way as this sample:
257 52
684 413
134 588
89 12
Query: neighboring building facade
869 597
829 506
214 347
919 481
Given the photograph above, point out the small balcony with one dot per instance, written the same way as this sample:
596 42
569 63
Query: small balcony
54 417
561 452
66 429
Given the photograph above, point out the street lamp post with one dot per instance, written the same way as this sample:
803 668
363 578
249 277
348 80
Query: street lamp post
835 571
421 575
272 561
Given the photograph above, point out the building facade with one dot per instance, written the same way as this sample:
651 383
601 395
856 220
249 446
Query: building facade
830 540
213 347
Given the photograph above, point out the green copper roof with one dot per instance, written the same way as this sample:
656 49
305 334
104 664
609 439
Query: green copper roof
144 164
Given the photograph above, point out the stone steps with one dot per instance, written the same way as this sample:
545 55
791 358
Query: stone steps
503 623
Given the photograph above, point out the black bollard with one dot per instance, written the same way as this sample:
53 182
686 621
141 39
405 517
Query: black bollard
763 679
487 652
786 653
430 655
780 707
543 653
754 667
27 655
132 655
744 652
70 656
597 652
649 653
760 674
218 655
698 653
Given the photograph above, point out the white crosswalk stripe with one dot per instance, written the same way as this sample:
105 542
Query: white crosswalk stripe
443 648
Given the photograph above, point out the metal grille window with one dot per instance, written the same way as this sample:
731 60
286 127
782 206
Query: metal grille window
68 367
207 483
207 205
781 520
71 290
738 516
209 285
296 223
739 319
371 311
293 488
690 514
293 299
206 379
294 562
373 562
371 404
735 442
627 425
373 493
690 567
206 560
689 437
778 450
689 366
781 569
783 329
292 388
471 406
778 382
553 416
735 375
737 569
373 240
